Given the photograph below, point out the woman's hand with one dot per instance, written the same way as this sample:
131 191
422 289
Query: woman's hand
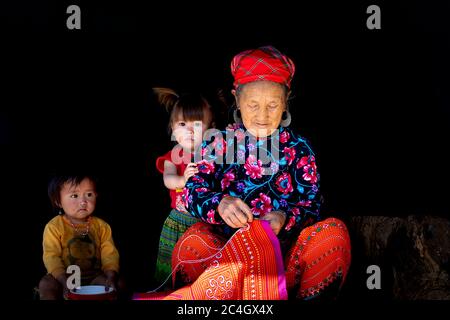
235 212
276 219
191 170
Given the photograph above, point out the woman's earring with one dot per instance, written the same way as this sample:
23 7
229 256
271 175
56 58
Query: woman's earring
286 119
60 211
237 116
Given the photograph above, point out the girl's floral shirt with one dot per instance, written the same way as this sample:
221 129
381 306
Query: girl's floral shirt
286 179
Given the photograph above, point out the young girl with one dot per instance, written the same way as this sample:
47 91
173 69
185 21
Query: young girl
75 237
190 116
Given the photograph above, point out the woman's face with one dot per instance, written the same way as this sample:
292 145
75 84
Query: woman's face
262 104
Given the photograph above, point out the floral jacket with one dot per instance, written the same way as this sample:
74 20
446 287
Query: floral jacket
287 181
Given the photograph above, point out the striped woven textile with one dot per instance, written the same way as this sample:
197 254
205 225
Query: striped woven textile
249 267
173 229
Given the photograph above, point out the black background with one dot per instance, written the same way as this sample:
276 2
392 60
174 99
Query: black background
374 103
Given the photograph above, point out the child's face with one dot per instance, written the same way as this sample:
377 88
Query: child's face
78 201
189 134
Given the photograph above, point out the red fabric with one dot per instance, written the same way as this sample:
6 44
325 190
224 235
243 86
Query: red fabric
264 63
186 159
249 267
320 256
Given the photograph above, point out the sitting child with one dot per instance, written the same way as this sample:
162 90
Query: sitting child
75 237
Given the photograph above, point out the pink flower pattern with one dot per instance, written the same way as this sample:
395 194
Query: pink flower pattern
253 168
284 183
185 197
261 205
295 211
304 203
227 178
284 137
290 184
210 215
289 155
309 168
290 224
205 166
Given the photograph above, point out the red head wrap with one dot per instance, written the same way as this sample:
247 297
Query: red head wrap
264 63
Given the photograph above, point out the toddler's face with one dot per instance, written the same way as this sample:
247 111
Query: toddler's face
78 201
188 134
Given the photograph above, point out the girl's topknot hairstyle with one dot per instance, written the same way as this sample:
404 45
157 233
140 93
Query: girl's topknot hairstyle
189 107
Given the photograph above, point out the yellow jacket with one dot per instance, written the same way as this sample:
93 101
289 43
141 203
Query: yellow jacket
93 253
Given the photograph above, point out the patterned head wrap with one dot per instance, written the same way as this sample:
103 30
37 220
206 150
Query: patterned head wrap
265 63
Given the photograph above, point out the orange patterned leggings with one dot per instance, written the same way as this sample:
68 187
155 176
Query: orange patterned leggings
320 256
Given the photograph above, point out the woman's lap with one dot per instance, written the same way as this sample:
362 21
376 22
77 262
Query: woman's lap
198 242
320 256
248 266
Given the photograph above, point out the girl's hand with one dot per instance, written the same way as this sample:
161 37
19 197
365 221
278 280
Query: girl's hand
190 171
235 212
276 219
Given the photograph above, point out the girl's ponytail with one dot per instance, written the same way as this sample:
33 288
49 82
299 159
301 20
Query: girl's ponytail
166 97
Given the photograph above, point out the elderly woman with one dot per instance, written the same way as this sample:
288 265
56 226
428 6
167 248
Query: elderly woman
262 236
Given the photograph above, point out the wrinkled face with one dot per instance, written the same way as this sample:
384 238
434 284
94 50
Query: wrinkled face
262 104
78 201
188 134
